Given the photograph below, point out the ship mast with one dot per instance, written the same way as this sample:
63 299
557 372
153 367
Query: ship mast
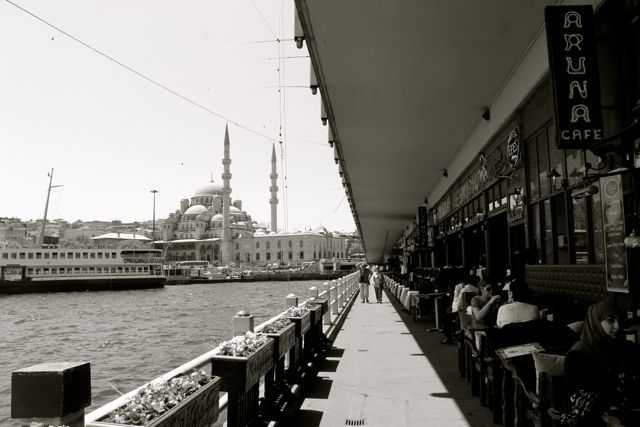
46 209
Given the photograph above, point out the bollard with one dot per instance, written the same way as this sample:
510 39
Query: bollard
333 300
341 291
313 292
326 286
290 301
242 323
53 393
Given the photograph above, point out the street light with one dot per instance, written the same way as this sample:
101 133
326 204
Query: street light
153 231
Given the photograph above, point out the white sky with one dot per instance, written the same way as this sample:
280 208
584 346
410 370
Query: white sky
112 136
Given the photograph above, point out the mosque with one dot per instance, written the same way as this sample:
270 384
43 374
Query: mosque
211 227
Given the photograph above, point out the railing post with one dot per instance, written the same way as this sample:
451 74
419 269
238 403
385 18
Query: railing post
53 393
242 323
290 301
313 292
326 288
333 301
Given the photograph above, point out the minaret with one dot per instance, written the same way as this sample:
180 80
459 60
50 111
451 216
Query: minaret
274 192
226 244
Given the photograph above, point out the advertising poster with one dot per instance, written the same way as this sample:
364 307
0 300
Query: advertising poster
613 220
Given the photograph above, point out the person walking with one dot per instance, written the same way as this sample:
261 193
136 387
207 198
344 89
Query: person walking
365 275
376 281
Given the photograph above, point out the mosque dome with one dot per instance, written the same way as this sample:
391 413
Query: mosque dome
259 232
217 218
234 210
195 210
209 189
321 230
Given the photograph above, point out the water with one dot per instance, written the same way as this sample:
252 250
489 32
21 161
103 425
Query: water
129 337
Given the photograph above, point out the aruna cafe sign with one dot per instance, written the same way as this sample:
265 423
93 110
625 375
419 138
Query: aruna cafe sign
574 75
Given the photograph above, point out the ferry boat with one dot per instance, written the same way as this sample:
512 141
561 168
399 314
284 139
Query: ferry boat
28 270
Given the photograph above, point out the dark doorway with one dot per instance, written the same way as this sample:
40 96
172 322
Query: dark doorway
498 257
517 247
474 247
454 248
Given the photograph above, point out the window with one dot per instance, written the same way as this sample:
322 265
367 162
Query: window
113 255
22 255
84 270
257 245
92 270
99 254
85 255
301 254
279 256
29 255
38 255
92 255
268 245
290 244
54 255
258 256
279 244
47 255
301 243
62 255
268 256
290 255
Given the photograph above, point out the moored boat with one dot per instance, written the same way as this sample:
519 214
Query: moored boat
27 270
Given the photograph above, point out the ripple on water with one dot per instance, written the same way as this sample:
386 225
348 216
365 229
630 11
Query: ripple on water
145 333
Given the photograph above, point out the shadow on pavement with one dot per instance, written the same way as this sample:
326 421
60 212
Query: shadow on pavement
444 359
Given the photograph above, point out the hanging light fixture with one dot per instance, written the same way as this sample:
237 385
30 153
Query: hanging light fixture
323 114
298 32
313 81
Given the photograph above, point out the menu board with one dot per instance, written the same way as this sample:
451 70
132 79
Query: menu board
613 220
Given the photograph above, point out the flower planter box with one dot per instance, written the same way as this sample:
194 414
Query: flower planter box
283 341
316 314
239 374
198 410
302 324
324 302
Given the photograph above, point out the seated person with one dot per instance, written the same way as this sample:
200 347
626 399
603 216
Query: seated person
484 307
602 372
516 310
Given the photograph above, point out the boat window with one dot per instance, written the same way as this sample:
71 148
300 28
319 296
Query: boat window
70 255
30 255
78 255
46 255
29 271
45 270
85 255
37 271
84 270
99 254
146 269
113 269
5 255
22 255
54 271
54 255
92 270
76 270
92 255
106 254
126 270
119 269
113 254
62 255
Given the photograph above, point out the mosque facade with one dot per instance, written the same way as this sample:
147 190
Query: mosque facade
210 226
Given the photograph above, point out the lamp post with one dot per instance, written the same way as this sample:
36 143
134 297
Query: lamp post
153 230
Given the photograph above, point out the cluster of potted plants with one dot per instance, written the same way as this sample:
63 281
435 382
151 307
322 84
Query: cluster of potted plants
242 345
155 402
276 326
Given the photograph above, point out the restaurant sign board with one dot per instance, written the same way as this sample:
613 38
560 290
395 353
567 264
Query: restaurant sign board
613 220
423 227
574 75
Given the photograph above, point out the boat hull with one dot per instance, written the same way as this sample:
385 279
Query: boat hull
80 284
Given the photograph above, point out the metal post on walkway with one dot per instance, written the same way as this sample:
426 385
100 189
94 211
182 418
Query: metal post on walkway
333 301
326 286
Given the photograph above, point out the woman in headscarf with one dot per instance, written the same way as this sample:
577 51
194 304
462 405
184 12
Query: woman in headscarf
602 372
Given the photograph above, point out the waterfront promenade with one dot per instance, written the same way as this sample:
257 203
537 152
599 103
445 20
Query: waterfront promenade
384 369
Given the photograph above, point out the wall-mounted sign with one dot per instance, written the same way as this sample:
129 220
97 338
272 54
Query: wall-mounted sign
423 226
574 75
613 220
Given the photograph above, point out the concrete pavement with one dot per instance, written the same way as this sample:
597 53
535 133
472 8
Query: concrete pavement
384 369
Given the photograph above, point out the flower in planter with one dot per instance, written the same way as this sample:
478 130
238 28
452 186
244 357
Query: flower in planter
311 304
242 345
296 312
276 326
156 399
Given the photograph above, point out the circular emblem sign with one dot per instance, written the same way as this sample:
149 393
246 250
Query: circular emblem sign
611 188
513 148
